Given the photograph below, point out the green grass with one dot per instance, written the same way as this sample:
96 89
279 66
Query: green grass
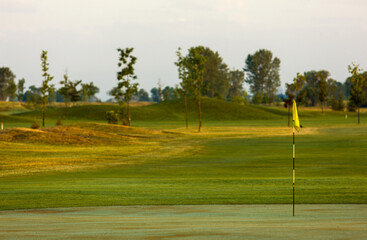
213 109
230 162
188 222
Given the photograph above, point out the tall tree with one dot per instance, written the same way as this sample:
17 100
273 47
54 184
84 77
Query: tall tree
125 77
159 90
75 94
52 93
84 92
312 87
290 92
33 96
263 75
65 89
11 90
295 91
215 73
195 64
45 84
154 93
186 81
117 93
364 74
299 82
168 93
332 86
236 80
143 96
6 76
89 90
20 89
357 80
341 101
323 93
300 93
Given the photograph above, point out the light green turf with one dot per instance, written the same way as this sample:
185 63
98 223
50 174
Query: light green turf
223 165
323 222
331 168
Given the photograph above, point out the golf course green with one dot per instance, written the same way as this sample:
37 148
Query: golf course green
243 156
315 221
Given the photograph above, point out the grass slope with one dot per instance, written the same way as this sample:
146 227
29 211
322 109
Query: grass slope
213 109
231 162
223 165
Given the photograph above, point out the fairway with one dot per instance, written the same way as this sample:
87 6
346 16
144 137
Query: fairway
314 221
159 180
228 163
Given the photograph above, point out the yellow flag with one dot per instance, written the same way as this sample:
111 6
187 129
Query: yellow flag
295 117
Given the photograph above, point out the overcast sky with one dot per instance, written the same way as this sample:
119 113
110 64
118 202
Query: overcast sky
82 36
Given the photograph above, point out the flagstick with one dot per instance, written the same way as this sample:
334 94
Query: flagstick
294 172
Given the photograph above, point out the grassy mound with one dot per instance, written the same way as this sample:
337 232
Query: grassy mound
212 110
80 134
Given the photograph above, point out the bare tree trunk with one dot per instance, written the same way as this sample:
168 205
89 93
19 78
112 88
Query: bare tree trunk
187 113
128 113
322 107
199 109
358 117
67 101
43 113
289 114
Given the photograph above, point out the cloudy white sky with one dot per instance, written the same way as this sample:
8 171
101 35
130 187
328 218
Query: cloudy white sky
82 36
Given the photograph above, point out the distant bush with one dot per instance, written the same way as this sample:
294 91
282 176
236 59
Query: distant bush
125 122
58 122
239 100
351 106
112 117
337 105
35 125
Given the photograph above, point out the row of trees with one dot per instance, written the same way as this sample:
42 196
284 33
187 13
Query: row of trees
219 81
70 91
317 87
202 73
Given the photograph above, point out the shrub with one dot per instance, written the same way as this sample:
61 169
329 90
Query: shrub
35 125
58 122
112 117
125 122
351 107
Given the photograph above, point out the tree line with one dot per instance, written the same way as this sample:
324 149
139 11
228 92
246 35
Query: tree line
69 92
202 72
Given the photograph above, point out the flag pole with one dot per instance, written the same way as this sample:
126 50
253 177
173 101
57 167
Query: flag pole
294 172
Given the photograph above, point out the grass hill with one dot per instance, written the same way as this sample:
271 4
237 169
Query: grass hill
242 156
212 109
86 134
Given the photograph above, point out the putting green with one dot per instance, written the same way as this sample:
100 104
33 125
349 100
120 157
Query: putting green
328 221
